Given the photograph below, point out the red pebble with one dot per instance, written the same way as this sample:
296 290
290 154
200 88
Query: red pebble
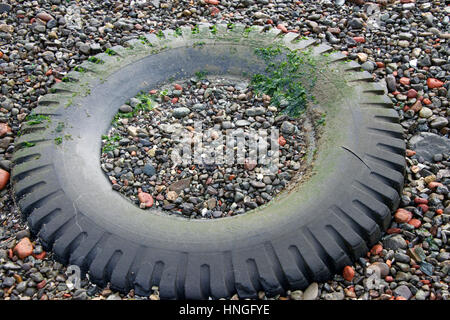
249 164
393 230
174 100
389 279
40 256
434 185
282 28
23 248
281 141
213 2
4 129
160 197
405 81
402 216
434 83
348 273
420 201
380 64
424 207
214 11
410 153
153 91
426 101
415 223
145 198
41 284
359 39
411 93
376 249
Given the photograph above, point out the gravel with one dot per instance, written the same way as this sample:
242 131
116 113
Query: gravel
142 159
401 40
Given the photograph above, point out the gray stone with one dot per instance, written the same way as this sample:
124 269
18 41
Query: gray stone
198 107
252 112
395 242
95 47
125 108
85 48
427 144
425 112
80 294
242 123
287 127
339 295
403 43
420 295
403 291
53 23
368 66
39 28
443 256
401 257
391 83
297 295
22 234
6 165
180 185
37 277
439 123
11 266
217 214
49 56
402 276
4 7
29 292
8 282
22 286
226 125
356 23
311 292
406 36
180 112
261 15
238 197
380 268
149 170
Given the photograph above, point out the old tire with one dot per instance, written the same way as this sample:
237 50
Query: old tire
308 235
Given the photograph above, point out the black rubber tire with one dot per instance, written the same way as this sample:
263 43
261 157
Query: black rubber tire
308 235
